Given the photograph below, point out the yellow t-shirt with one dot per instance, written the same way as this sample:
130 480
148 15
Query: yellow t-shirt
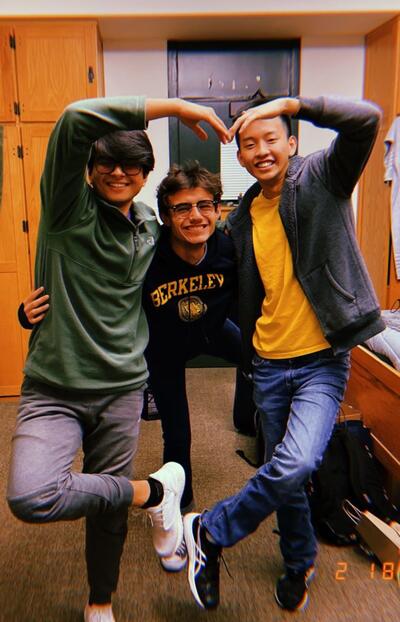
288 326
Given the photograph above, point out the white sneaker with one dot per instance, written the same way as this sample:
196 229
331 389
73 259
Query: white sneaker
177 561
98 613
166 517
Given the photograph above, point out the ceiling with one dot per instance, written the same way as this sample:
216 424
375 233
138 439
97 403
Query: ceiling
228 26
189 24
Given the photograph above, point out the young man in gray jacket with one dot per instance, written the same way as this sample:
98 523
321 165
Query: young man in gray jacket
305 300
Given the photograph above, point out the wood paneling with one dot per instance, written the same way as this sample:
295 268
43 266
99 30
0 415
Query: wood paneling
57 63
382 67
374 389
53 63
14 267
35 137
8 93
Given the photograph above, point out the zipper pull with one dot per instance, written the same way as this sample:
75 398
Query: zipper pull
136 241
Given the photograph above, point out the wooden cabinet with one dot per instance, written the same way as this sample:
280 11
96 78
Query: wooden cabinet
35 137
8 91
56 63
381 85
14 265
45 65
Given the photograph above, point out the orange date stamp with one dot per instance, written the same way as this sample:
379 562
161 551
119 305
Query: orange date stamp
385 572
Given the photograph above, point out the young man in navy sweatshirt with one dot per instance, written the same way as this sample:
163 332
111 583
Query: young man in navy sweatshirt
188 295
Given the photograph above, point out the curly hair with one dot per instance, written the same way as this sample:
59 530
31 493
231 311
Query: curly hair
188 175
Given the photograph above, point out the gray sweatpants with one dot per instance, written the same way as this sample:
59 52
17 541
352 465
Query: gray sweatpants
52 425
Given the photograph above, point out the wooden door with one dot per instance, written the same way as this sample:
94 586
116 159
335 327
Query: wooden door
14 265
57 63
382 81
8 95
35 137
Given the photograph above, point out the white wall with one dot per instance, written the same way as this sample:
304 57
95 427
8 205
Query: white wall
328 67
142 70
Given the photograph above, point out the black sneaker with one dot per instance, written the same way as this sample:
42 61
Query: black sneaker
203 568
291 591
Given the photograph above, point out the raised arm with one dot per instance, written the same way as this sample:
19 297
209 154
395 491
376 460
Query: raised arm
281 106
63 183
190 114
83 122
356 123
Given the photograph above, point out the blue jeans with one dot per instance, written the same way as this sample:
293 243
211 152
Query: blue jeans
298 400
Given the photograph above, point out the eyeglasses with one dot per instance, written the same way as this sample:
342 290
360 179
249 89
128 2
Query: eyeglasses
106 165
205 206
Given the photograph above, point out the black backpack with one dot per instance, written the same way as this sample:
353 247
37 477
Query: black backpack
348 471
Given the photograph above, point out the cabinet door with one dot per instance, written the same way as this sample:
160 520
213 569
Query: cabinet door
14 266
34 139
57 63
373 216
7 75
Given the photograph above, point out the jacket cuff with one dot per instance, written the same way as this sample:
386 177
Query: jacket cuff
23 320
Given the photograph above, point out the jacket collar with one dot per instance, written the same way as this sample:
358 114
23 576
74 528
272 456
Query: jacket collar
242 213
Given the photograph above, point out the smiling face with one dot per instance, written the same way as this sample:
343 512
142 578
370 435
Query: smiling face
117 187
264 152
190 231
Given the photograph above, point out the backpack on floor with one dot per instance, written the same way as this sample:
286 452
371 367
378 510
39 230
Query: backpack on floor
348 471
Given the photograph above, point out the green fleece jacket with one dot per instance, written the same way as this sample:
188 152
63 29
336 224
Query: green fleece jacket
92 260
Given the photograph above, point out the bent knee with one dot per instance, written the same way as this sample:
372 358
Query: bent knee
35 507
303 469
296 471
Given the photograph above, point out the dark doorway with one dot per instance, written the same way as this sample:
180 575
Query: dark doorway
224 75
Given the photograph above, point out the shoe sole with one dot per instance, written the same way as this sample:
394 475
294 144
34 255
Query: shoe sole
304 602
176 568
191 550
180 476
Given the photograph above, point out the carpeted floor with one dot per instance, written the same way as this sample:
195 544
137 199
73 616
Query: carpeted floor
42 574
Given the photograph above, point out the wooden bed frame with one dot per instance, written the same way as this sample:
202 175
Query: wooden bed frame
374 389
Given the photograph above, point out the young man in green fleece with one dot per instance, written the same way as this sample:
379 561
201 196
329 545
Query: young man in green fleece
85 369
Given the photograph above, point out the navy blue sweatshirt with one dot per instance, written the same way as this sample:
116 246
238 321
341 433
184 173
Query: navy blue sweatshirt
186 305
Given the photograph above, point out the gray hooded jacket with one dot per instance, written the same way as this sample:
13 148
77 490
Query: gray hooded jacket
317 215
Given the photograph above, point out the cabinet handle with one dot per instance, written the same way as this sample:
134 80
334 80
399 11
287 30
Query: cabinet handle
90 75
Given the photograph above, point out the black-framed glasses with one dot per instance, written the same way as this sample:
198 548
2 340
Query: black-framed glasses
107 165
205 206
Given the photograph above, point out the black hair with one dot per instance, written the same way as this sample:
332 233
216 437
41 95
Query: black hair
286 120
185 176
123 145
